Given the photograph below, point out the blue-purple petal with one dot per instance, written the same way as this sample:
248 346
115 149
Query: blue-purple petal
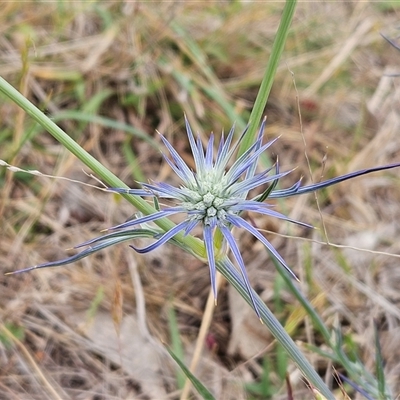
240 222
198 154
209 244
222 156
210 152
149 218
136 192
263 208
165 190
163 239
182 174
246 160
191 225
257 180
179 162
294 191
236 253
224 161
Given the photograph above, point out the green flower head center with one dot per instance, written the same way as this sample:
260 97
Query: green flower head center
209 203
207 195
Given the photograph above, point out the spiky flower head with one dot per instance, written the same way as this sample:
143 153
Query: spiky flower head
214 196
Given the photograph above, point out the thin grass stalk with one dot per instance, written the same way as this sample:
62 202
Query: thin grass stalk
269 75
268 318
315 318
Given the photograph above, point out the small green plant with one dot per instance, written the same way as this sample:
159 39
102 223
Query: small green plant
9 332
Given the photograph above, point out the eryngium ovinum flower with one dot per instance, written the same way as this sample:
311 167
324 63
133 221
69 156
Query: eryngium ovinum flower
214 196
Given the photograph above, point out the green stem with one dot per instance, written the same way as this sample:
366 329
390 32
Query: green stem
269 76
316 319
228 270
102 172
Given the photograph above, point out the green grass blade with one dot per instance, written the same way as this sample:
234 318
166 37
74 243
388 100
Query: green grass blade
269 75
204 392
316 319
107 122
379 362
176 343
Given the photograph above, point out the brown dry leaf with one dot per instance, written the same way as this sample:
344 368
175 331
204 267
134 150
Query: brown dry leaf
132 351
249 337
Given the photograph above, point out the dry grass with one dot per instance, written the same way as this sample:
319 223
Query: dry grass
93 330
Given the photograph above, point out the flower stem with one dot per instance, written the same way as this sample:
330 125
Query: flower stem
228 270
269 75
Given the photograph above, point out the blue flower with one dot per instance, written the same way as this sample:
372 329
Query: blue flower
214 196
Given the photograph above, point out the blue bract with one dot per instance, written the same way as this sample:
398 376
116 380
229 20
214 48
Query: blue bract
214 196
